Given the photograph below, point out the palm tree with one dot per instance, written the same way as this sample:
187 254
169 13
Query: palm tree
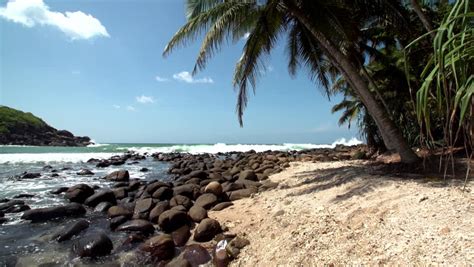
317 31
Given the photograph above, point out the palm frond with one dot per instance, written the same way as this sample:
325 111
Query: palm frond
260 42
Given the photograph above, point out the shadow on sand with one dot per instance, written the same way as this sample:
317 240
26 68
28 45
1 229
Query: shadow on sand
360 179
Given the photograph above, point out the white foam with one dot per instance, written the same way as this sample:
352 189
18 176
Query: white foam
192 149
51 157
96 144
221 147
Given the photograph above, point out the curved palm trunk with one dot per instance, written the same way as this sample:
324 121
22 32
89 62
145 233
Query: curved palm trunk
392 136
426 22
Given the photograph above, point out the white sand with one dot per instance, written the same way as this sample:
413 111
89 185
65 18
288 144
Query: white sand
337 213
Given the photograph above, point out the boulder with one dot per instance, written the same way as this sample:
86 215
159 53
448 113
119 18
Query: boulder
101 196
214 188
59 190
116 211
79 193
71 230
196 255
159 208
117 221
160 247
222 206
93 246
120 193
31 175
206 230
198 174
248 183
144 205
46 214
248 175
181 200
206 201
181 235
85 172
189 190
10 203
141 226
118 176
239 242
14 206
24 195
242 193
227 187
151 188
197 213
163 193
178 262
103 207
171 220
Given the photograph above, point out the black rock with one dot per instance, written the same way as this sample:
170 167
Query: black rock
103 207
141 226
181 235
101 196
59 190
118 176
71 230
31 175
85 172
160 247
93 246
206 201
206 230
222 206
196 255
14 206
171 220
163 193
79 193
24 196
46 214
116 221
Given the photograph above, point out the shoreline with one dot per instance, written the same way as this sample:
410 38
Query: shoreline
199 204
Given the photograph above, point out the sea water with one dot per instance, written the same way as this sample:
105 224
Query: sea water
25 243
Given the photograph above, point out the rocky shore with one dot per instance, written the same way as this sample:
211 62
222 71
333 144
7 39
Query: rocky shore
23 128
165 221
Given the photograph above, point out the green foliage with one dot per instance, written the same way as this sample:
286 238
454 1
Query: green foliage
14 119
448 80
266 21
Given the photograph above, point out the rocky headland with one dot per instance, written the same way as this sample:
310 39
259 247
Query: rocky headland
23 128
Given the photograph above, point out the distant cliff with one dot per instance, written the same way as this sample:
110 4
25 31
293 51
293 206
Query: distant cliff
23 128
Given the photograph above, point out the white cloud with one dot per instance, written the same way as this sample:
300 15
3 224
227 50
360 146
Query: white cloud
246 36
145 99
185 76
161 79
116 106
130 108
76 25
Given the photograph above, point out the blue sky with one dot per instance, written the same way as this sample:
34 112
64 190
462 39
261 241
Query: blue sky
95 68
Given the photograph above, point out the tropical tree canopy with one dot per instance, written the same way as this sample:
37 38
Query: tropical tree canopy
359 42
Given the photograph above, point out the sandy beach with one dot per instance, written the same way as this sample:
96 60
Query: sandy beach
349 212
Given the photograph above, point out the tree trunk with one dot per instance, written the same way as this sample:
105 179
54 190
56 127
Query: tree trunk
426 22
392 136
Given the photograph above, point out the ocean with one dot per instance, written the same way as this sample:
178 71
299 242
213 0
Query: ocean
30 243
